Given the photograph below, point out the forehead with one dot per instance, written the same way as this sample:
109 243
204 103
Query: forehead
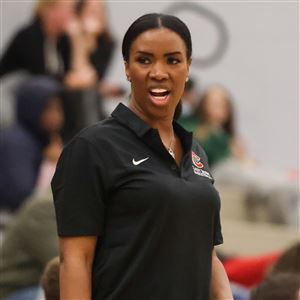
158 40
65 4
217 92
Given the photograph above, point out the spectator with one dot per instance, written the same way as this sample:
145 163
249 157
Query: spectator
216 130
267 190
188 118
92 48
41 47
282 282
250 271
33 138
30 241
73 44
281 286
289 261
92 45
50 280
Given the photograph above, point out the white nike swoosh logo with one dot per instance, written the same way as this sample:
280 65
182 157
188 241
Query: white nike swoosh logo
137 162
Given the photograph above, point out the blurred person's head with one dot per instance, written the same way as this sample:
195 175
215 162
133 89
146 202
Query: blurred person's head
281 286
93 16
50 280
39 108
55 15
215 108
52 117
289 261
188 98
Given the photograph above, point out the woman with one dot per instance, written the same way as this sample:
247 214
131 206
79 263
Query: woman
265 187
137 213
216 131
41 47
92 45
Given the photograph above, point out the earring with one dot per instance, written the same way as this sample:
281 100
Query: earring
128 78
187 79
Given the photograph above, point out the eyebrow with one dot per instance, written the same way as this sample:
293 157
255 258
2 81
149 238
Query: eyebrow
150 54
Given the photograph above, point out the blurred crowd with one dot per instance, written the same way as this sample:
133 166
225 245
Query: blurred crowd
66 50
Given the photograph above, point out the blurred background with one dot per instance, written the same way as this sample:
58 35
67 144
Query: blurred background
259 62
61 69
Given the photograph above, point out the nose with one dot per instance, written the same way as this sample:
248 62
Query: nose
158 72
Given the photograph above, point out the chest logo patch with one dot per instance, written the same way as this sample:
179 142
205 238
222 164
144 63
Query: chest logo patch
137 162
196 160
198 166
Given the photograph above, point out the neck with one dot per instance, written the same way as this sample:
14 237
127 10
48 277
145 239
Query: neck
164 125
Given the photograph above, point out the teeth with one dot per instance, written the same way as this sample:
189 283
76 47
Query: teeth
159 90
160 98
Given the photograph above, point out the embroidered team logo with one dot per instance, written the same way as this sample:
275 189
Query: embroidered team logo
196 160
198 166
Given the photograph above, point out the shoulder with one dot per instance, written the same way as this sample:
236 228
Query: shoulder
101 133
28 31
94 141
196 145
17 138
40 205
200 152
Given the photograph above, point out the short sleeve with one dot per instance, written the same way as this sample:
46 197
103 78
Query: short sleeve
218 237
78 190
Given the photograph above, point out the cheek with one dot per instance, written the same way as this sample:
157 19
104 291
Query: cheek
180 80
138 78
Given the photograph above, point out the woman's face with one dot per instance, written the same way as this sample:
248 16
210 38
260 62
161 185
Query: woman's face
216 106
93 16
59 15
52 118
157 69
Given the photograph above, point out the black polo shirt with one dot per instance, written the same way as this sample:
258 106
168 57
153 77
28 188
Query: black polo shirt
157 223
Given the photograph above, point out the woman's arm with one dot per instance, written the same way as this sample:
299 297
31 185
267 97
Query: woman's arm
220 287
76 259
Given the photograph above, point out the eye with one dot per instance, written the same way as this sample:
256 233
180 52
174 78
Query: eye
143 60
173 60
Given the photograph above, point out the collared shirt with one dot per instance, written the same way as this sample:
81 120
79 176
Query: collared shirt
157 222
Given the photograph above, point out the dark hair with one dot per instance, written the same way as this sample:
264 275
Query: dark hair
201 112
154 21
50 279
289 261
281 286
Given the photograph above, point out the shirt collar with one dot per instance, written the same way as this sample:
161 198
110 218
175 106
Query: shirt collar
128 118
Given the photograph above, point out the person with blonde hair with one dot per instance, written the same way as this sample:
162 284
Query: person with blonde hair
41 48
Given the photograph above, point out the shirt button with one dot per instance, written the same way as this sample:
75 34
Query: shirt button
173 167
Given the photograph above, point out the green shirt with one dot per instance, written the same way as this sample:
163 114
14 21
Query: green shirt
216 143
30 242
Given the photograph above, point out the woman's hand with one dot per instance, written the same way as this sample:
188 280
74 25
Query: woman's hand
53 149
81 79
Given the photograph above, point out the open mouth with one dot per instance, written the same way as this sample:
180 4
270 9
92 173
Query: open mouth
159 94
